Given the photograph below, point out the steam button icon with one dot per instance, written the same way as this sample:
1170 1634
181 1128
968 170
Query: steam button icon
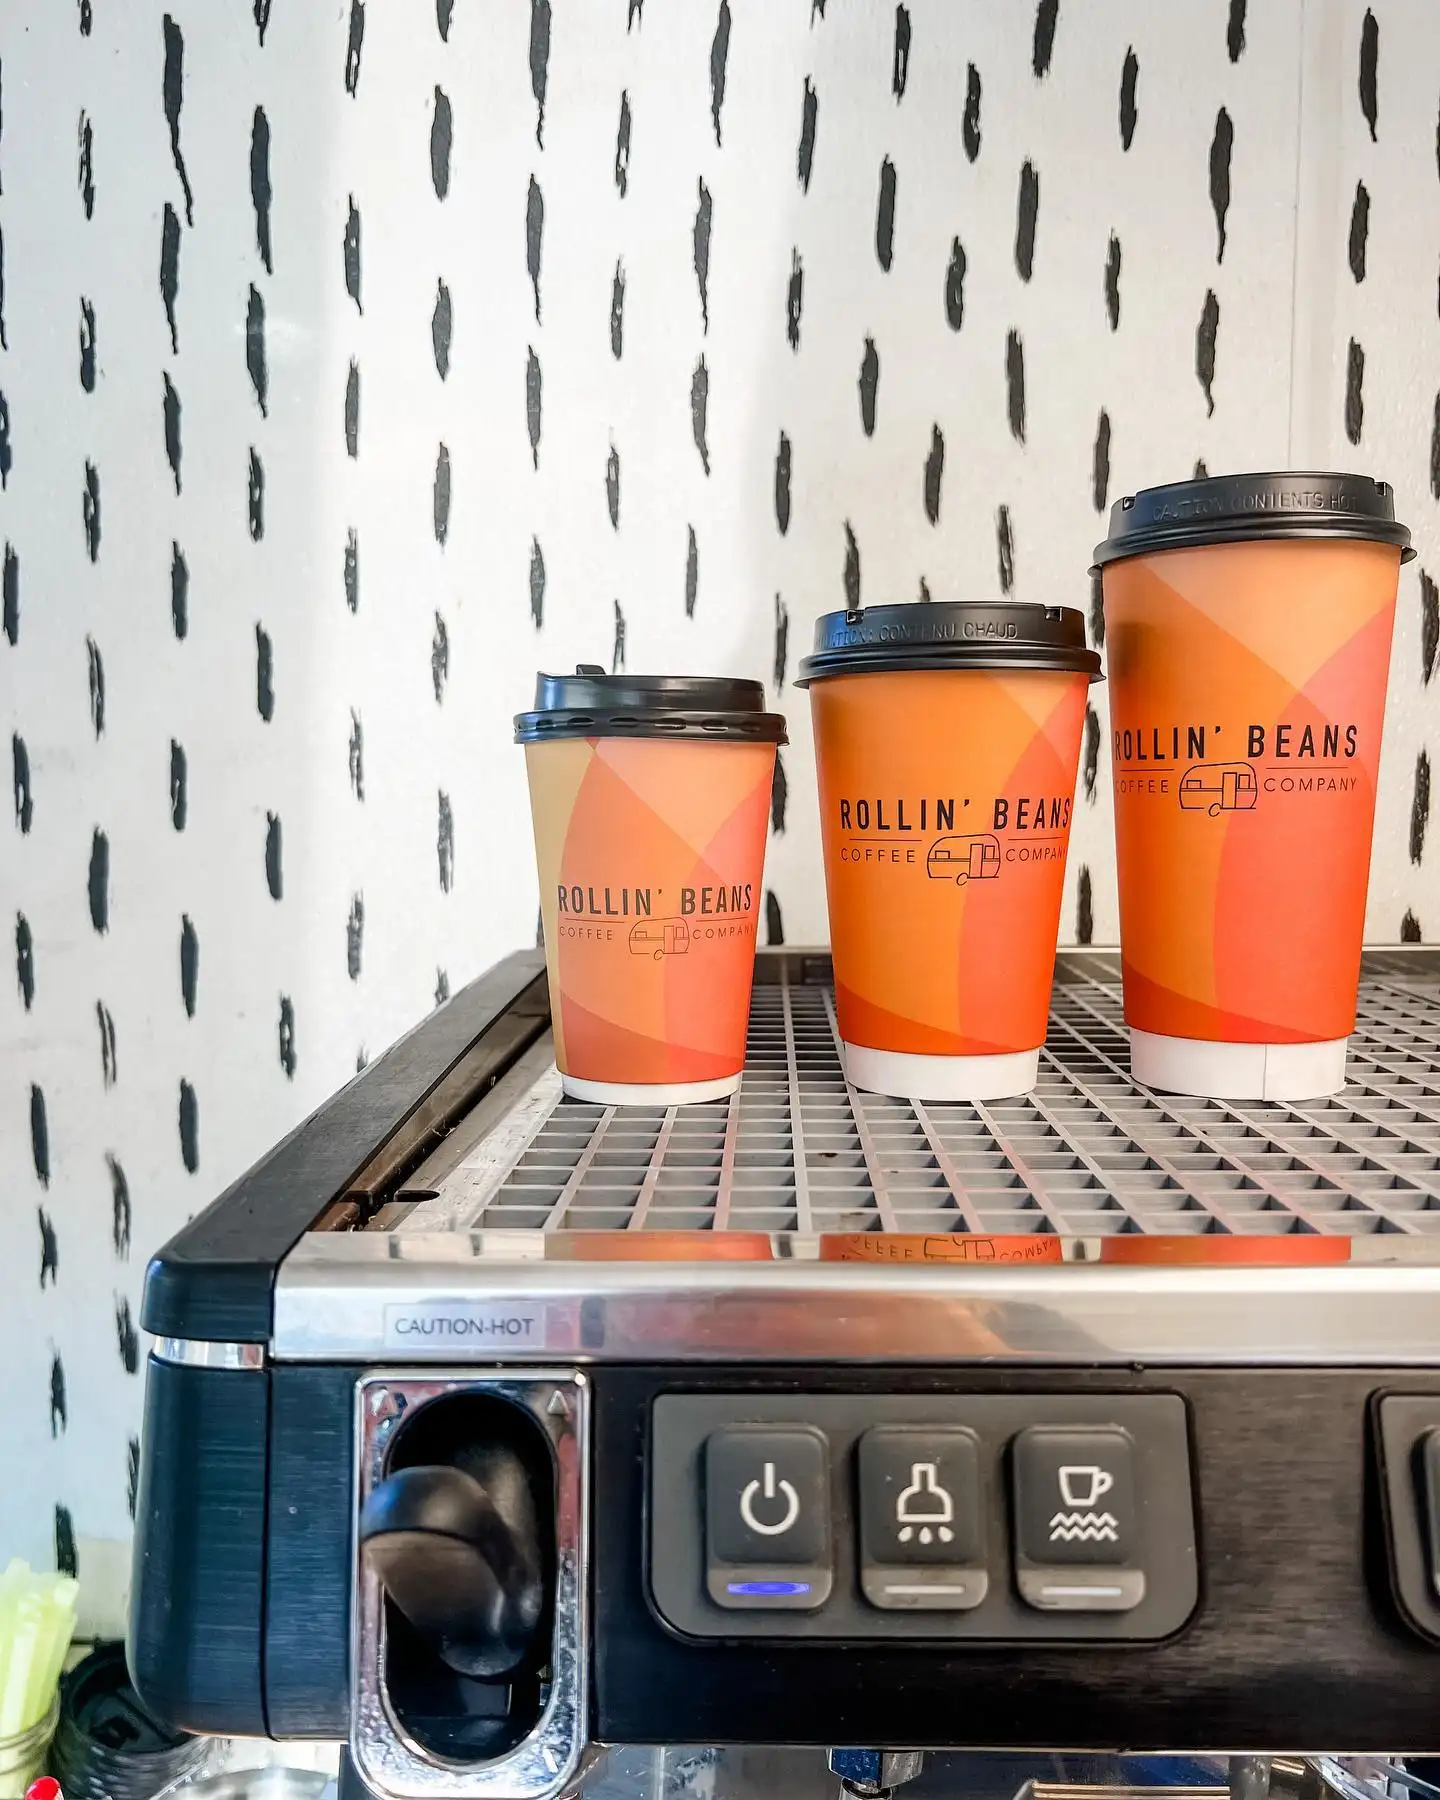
925 1510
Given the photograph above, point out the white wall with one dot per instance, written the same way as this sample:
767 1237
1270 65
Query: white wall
386 711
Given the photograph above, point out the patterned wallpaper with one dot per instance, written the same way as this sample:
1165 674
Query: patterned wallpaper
358 358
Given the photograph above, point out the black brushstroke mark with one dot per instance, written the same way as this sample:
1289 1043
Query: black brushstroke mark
1359 230
351 254
261 11
699 407
108 1066
1235 30
539 61
10 595
1046 15
39 1138
97 686
1084 907
617 649
441 130
189 1119
264 674
1410 929
352 569
1200 469
352 410
1205 336
355 937
441 320
87 346
173 85
120 1209
97 881
534 233
852 570
782 644
255 349
700 245
1100 472
189 964
869 385
622 145
1027 209
779 796
6 457
353 47
445 842
260 195
900 67
89 507
633 14
1420 808
25 960
794 300
20 775
362 1058
179 786
719 56
1015 384
66 1561
86 170
970 125
1090 754
809 117
1129 76
1221 146
692 571
179 591
444 12
537 583
285 1037
274 857
4 340
1112 282
1005 549
170 270
440 495
1369 63
1097 611
49 1250
617 310
170 406
955 285
59 1418
87 18
782 485
1354 392
774 923
255 496
442 986
532 402
440 658
132 1448
885 216
934 474
1429 627
357 754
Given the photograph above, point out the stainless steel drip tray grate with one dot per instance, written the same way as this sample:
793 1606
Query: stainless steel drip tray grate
1087 1154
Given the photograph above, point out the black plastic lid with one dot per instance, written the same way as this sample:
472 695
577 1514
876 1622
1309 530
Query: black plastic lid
1228 509
591 704
950 634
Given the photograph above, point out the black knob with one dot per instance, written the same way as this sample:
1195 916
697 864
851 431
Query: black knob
460 1557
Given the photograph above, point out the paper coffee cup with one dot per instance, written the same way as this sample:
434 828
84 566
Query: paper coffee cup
650 797
947 737
1248 621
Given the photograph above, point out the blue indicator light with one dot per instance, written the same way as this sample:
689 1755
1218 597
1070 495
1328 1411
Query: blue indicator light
765 1588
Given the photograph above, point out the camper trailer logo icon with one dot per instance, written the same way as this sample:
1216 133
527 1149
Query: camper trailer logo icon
962 859
1218 787
659 938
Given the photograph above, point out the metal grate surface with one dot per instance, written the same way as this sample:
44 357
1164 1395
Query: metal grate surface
1087 1153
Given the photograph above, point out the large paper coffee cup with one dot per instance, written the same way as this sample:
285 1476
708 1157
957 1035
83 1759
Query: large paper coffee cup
947 737
650 798
1248 622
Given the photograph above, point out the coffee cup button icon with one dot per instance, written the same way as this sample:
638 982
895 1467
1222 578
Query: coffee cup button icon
1082 1484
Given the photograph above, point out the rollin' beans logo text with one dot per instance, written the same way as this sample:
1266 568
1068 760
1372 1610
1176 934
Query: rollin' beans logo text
653 922
965 843
1191 763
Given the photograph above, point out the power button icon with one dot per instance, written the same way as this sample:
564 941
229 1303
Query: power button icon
767 1516
778 1494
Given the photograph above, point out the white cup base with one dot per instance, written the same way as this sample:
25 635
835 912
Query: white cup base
1216 1071
906 1077
646 1093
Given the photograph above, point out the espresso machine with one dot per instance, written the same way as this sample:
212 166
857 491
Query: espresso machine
486 1428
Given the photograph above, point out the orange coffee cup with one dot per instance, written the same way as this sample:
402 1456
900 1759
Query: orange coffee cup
1248 621
650 797
947 737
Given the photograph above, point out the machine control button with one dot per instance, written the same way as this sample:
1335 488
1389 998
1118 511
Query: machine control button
1077 1543
767 1517
1430 1471
922 1534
